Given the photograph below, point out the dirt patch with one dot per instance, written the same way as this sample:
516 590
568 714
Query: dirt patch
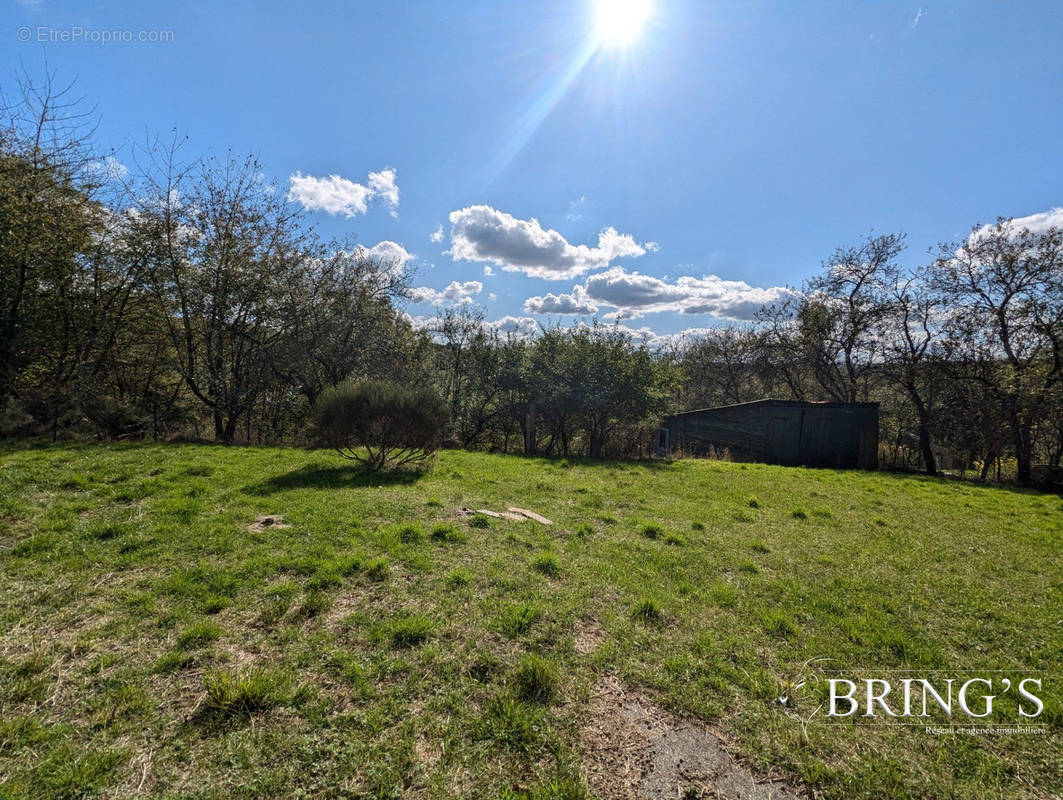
267 521
635 750
588 637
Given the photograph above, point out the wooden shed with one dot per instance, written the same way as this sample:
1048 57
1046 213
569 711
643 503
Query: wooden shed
790 432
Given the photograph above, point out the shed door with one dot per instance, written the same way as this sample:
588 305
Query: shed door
784 440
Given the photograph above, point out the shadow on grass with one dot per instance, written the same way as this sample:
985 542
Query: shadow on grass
314 476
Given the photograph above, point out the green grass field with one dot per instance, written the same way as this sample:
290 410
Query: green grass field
153 645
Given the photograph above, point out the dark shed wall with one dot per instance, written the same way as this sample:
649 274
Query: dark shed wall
782 432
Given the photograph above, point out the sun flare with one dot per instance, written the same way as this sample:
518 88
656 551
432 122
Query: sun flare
619 22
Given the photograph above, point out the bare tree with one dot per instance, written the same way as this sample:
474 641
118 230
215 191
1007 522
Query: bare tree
1005 291
907 337
227 244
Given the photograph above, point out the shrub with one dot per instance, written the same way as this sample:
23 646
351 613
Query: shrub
380 424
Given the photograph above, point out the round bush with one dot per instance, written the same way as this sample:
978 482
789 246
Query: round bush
382 425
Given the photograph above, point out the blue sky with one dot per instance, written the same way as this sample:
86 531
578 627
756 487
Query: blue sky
673 183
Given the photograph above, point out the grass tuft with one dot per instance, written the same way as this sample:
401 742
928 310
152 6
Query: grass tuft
511 722
233 695
378 569
458 578
547 564
444 532
652 531
410 631
646 610
536 679
198 635
517 619
410 534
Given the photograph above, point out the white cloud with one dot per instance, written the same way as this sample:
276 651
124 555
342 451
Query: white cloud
633 294
481 233
575 209
437 234
388 254
519 326
108 168
382 184
338 195
575 303
919 15
1034 223
488 272
454 293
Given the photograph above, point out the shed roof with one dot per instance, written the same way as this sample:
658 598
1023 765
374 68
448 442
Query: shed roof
775 402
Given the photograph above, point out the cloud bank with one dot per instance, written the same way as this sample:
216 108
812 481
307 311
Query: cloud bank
632 294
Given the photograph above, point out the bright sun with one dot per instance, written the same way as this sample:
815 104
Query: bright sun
619 22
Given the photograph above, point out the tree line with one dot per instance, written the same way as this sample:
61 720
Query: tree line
186 298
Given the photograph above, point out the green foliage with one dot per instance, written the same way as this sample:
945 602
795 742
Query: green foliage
382 425
458 578
378 569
